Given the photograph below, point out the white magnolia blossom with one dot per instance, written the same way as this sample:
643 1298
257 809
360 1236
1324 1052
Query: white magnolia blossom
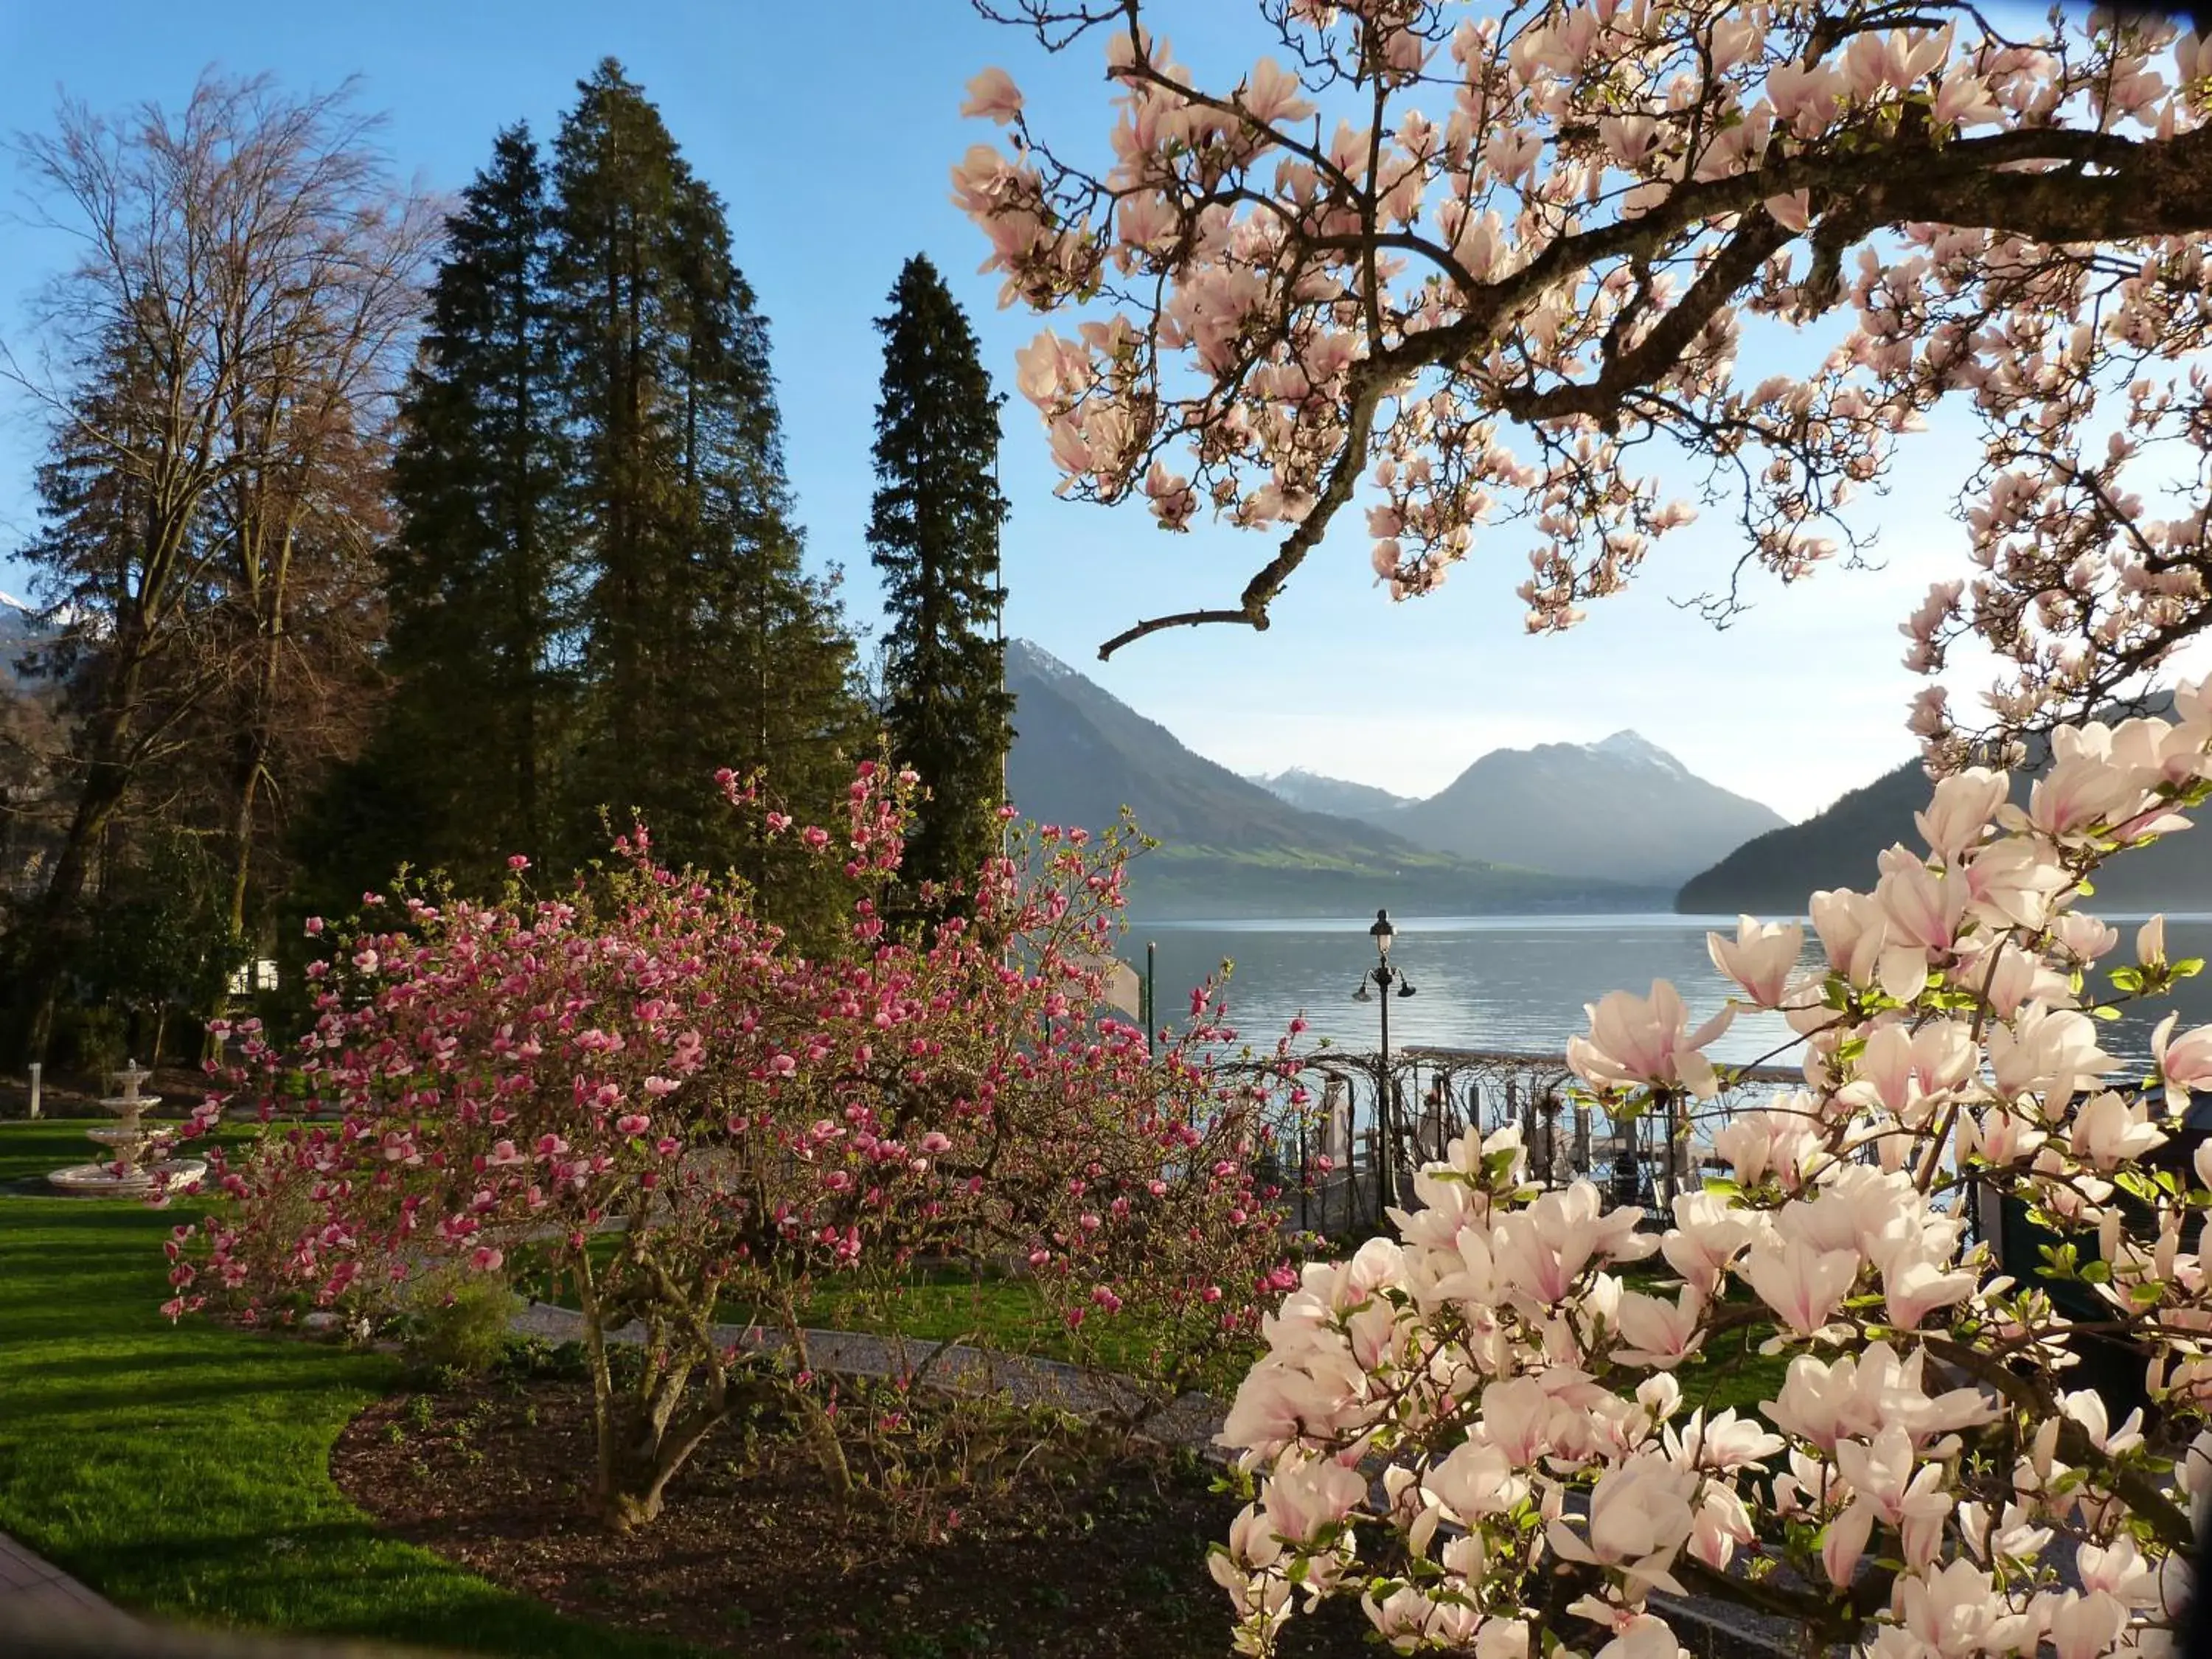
1527 1371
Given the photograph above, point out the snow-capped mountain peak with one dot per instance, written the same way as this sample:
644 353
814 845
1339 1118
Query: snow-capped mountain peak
1635 746
1027 655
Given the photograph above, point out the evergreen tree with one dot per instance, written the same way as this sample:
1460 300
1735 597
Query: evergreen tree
704 642
934 534
126 668
460 774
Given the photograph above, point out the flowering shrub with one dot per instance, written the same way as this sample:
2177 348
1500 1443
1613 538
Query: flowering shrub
638 1081
1934 1477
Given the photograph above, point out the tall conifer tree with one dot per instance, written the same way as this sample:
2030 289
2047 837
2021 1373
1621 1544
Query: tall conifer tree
934 534
705 643
463 769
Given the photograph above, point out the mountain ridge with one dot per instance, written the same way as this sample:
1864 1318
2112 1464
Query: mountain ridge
1316 792
1230 848
1775 874
1621 808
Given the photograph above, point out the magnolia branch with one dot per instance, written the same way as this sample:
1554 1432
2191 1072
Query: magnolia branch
2036 184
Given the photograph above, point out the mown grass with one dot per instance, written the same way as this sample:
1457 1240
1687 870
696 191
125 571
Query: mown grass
184 1470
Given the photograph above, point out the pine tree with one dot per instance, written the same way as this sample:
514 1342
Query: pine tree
459 776
704 642
933 533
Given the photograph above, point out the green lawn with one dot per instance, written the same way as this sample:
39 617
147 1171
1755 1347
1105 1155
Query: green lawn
936 1304
184 1471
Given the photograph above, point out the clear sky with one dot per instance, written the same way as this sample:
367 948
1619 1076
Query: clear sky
832 150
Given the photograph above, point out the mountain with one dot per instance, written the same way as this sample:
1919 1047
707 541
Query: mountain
1775 874
1338 796
1623 809
21 628
1229 848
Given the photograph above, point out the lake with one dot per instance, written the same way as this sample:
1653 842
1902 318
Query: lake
1518 983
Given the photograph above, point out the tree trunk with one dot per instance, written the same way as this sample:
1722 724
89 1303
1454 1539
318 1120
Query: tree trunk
258 737
107 778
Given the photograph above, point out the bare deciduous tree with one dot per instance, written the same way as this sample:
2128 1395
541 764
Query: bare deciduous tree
218 365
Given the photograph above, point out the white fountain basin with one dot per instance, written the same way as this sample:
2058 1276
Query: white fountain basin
101 1181
123 1135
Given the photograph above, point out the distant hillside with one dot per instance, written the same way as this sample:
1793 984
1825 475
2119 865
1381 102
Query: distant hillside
1339 796
1230 848
1623 809
18 627
31 734
1776 873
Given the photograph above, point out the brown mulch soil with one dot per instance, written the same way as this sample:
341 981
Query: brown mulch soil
753 1554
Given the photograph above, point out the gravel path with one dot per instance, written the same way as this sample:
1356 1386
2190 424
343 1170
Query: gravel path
1191 1420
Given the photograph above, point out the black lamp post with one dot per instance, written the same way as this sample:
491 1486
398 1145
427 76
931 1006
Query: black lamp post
1382 976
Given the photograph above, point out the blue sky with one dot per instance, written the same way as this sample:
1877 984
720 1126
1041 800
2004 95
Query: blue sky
833 157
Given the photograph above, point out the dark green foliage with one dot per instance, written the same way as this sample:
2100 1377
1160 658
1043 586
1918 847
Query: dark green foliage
599 599
159 943
934 534
704 644
460 774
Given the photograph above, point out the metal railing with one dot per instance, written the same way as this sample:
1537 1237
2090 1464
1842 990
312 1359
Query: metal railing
1349 1154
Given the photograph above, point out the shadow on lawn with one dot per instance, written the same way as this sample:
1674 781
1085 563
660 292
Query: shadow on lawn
183 1470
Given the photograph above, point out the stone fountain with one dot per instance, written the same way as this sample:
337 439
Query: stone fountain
128 1173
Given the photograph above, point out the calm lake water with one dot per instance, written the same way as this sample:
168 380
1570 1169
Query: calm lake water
1519 983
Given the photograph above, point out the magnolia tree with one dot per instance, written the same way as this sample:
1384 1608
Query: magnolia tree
1509 264
639 1081
1484 1428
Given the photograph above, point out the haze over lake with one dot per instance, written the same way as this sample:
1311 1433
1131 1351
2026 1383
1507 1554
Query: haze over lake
1519 983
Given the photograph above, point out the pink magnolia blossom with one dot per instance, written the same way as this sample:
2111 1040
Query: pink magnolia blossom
1303 1498
1914 1285
1660 1332
2184 1065
1911 1074
1639 1517
2150 943
1920 906
1802 1283
1646 1040
1955 1610
1784 1140
993 94
1760 959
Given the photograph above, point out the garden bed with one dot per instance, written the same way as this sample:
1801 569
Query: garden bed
755 1554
